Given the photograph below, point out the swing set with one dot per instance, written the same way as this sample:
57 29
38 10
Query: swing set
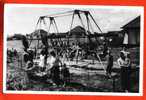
44 37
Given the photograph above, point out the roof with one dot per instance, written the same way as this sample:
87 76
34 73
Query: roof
78 31
135 23
36 32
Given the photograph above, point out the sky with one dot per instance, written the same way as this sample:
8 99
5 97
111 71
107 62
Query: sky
23 18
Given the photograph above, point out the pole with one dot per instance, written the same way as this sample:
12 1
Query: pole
101 63
71 27
55 24
95 22
49 29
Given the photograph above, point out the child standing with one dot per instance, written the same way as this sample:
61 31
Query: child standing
109 64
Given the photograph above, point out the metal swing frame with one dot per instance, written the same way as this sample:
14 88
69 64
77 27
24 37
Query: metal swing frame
87 15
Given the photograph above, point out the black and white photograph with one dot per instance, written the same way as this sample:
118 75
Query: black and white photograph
73 49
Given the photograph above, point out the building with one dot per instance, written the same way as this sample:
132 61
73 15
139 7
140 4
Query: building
133 31
115 38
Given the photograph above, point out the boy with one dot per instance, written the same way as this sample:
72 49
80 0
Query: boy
109 64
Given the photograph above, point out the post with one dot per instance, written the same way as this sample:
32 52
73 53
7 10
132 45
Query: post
113 78
18 61
21 61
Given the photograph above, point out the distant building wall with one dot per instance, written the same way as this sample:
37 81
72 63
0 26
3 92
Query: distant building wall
133 30
133 36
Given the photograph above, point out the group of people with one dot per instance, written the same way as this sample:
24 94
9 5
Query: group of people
125 64
59 72
48 61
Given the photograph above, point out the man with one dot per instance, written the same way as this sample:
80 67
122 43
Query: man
124 63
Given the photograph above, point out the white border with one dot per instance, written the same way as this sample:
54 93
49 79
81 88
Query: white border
76 93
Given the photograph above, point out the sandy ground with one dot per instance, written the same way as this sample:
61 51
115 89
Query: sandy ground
85 76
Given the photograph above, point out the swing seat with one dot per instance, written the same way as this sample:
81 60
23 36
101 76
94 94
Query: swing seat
36 75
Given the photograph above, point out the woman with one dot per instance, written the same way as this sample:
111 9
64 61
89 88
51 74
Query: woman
124 63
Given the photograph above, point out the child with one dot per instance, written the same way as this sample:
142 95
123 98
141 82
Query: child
109 64
54 63
42 61
65 74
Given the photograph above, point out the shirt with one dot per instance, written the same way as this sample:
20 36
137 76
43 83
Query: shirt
50 62
42 61
123 63
110 60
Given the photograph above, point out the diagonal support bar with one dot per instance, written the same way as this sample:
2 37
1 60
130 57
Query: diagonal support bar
95 23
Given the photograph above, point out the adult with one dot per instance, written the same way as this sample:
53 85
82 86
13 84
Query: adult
124 63
126 53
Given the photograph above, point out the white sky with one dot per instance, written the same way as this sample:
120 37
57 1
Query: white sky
23 18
